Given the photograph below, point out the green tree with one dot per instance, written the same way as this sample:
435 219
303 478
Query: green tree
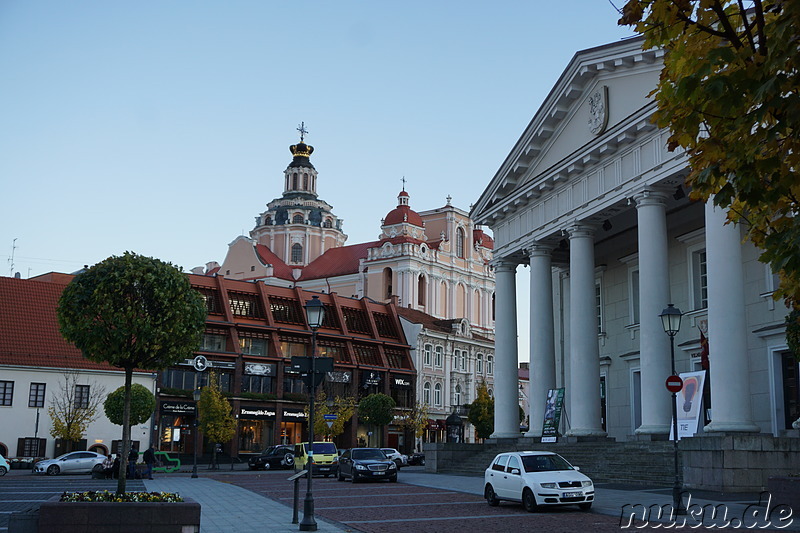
728 92
132 312
143 403
342 407
214 411
481 412
71 410
377 409
415 419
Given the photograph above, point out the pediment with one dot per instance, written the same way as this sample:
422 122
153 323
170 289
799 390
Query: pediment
599 104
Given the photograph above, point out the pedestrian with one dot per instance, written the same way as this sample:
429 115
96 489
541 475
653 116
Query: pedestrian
117 467
108 467
133 456
149 458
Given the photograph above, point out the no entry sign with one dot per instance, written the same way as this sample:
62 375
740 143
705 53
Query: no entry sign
674 383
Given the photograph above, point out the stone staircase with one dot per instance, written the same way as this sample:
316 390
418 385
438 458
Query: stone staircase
603 460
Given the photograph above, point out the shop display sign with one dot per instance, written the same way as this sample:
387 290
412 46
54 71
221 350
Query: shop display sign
257 413
177 408
259 369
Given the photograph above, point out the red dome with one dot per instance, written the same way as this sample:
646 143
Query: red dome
402 213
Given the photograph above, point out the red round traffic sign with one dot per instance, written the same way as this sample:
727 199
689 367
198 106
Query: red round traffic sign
674 383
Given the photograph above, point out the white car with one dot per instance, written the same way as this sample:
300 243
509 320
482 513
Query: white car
399 459
71 463
536 479
5 466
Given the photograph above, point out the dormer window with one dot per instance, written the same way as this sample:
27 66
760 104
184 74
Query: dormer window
297 219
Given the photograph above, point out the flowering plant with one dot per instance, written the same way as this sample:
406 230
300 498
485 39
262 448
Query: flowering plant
106 496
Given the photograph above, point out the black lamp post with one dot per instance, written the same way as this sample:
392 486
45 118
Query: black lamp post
196 396
315 313
671 320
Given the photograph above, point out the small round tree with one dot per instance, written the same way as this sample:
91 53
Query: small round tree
132 312
481 412
377 409
143 403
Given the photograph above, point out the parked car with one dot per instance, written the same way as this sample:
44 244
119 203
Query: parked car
277 456
71 463
5 466
399 459
366 463
536 479
325 458
417 458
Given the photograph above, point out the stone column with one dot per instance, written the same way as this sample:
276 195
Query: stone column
506 378
542 336
654 351
727 326
584 383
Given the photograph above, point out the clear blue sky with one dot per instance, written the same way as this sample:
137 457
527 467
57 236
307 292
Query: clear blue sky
163 127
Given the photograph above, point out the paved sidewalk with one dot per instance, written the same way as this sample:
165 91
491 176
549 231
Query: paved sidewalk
227 508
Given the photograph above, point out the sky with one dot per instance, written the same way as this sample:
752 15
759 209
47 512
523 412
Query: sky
163 127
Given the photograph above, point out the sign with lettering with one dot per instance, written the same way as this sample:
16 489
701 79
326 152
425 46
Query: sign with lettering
370 378
552 415
177 408
293 415
401 382
257 413
259 369
338 376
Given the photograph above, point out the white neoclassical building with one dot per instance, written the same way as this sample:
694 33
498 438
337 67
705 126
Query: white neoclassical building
594 205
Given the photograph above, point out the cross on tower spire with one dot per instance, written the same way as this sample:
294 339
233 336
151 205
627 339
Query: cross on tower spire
403 179
303 131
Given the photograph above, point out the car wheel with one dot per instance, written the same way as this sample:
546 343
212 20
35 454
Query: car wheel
267 466
354 478
491 497
586 506
53 470
2 471
422 462
529 500
288 460
393 479
97 468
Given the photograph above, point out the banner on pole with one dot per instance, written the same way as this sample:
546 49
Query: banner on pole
689 404
552 415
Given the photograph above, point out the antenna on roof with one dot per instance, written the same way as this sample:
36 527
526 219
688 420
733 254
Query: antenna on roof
11 259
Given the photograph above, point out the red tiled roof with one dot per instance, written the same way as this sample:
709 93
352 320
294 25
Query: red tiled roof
427 321
279 268
486 241
29 334
338 261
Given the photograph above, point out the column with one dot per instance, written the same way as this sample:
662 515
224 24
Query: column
727 326
584 383
542 337
506 402
654 296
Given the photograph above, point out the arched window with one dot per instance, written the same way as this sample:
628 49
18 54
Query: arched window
427 351
267 220
294 181
387 282
457 396
421 285
479 364
297 219
460 239
491 393
437 360
437 394
305 181
328 223
297 253
490 364
426 393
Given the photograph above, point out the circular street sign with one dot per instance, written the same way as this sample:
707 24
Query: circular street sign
200 363
674 383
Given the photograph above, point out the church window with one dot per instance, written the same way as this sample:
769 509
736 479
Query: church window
305 181
460 242
437 394
421 285
328 223
294 181
297 253
297 219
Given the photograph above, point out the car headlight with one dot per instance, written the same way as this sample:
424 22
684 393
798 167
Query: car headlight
392 466
548 485
361 467
586 483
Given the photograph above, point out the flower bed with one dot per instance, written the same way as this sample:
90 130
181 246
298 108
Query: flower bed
107 512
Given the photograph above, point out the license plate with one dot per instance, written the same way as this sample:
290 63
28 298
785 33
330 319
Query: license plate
377 473
324 468
572 495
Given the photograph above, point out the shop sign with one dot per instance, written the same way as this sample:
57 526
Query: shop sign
177 408
259 369
338 377
258 413
401 383
370 378
293 415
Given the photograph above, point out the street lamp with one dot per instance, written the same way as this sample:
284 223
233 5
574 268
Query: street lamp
196 396
671 320
315 313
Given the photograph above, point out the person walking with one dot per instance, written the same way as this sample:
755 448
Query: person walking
149 458
108 467
133 456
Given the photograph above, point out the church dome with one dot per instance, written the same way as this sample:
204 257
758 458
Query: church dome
403 213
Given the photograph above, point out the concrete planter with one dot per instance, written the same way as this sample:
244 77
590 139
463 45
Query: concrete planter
119 517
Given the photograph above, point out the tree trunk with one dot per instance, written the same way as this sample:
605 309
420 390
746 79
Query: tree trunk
126 432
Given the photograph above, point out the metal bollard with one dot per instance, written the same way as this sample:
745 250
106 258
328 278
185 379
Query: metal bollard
296 478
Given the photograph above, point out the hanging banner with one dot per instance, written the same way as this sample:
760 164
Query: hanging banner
552 415
690 403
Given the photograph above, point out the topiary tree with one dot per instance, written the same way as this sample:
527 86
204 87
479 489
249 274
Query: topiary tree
377 409
143 403
214 411
132 312
481 412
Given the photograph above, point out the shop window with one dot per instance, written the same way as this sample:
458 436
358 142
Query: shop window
258 384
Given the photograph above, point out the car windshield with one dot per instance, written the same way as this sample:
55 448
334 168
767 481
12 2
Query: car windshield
362 455
545 463
325 448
